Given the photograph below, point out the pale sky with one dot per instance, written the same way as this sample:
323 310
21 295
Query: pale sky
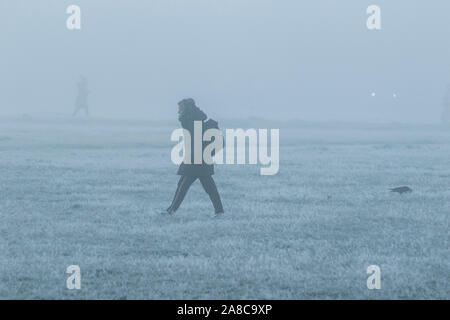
283 59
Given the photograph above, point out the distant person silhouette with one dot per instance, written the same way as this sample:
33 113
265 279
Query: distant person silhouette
188 112
81 99
446 105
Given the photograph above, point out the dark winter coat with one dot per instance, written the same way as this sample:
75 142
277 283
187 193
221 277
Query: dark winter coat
187 122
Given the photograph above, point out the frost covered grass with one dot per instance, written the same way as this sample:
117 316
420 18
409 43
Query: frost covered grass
88 193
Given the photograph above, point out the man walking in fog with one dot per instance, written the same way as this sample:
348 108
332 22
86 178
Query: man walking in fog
81 99
188 113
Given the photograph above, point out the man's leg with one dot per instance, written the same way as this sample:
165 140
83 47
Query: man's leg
183 186
211 189
176 193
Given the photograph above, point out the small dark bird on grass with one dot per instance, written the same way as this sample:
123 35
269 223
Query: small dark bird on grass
401 190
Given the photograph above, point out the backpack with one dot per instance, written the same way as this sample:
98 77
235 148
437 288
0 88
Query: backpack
212 124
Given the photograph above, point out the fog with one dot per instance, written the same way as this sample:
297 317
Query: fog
288 59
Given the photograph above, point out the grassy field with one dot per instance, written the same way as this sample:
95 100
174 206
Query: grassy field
88 192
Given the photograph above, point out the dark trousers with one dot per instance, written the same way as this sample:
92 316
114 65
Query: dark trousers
208 184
